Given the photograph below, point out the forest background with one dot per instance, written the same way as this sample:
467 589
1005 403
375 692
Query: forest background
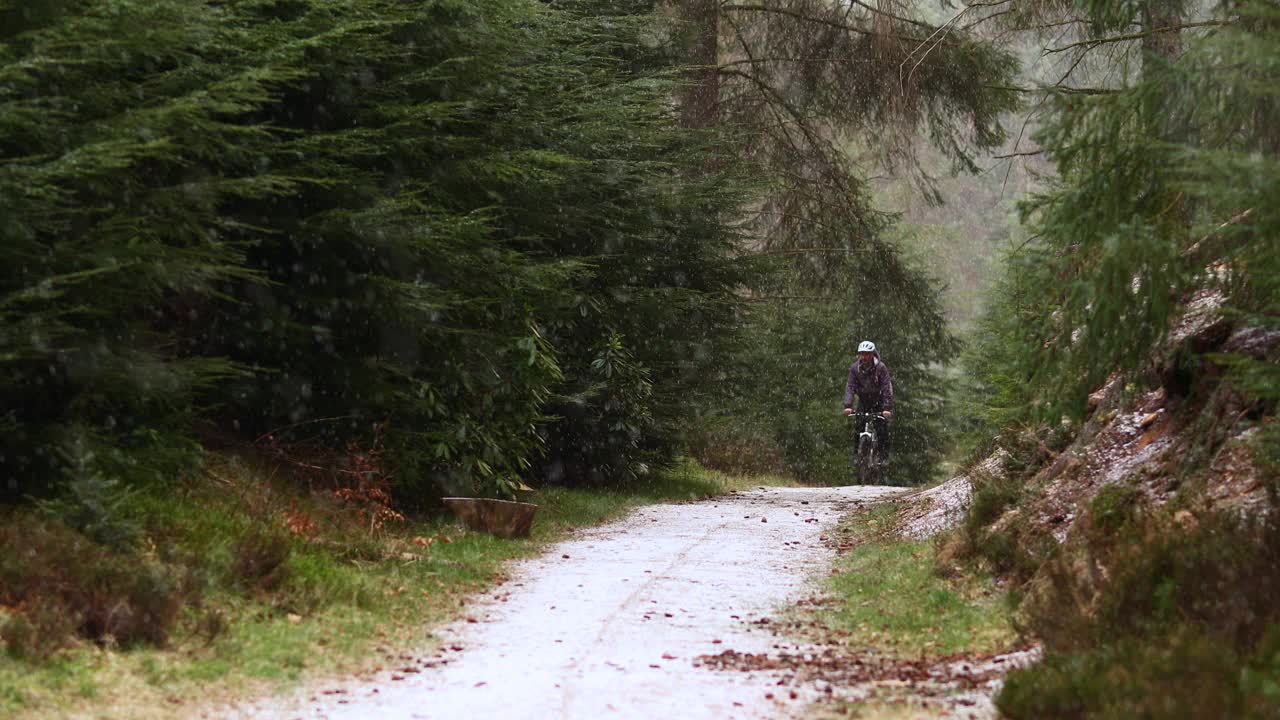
478 237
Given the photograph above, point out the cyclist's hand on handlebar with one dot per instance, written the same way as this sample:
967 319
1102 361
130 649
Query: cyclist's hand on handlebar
848 412
886 413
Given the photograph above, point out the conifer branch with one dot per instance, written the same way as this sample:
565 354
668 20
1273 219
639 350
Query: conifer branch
899 18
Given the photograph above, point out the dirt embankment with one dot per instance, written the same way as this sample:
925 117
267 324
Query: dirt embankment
1188 433
1180 434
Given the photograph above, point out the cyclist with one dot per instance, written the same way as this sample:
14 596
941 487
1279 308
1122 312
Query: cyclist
869 382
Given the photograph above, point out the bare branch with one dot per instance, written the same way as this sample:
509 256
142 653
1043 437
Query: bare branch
1090 44
1025 153
805 251
1239 218
986 18
1067 89
1075 64
1021 131
769 298
1084 90
816 20
752 61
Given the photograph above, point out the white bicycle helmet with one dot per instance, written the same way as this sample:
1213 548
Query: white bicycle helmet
866 346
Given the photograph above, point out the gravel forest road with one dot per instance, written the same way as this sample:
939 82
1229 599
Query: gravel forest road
611 624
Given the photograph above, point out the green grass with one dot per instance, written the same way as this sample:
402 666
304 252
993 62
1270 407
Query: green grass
347 592
1183 622
888 594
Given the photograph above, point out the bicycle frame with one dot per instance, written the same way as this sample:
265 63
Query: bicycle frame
863 420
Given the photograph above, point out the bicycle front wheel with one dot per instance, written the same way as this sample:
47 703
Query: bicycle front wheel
862 461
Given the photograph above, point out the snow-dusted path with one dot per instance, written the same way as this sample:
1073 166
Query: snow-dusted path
610 624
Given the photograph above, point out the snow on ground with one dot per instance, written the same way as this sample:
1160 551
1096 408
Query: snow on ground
611 623
929 512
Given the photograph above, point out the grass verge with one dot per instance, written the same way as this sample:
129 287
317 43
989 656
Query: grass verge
276 585
888 595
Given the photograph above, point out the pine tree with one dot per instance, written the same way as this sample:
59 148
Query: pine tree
111 188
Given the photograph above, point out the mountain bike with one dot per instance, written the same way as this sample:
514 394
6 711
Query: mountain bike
868 461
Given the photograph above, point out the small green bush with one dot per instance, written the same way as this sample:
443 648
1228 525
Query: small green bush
992 494
102 594
1025 447
1004 550
261 560
94 505
1267 455
1187 674
1114 507
1223 573
1260 678
1155 619
1007 551
37 634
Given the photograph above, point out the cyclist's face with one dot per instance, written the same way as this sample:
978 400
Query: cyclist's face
865 357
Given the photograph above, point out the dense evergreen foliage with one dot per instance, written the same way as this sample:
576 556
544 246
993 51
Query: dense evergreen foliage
328 215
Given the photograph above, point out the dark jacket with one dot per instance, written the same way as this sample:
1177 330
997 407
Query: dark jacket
871 385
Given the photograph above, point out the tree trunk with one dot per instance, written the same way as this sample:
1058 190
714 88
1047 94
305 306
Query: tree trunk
700 97
1164 45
